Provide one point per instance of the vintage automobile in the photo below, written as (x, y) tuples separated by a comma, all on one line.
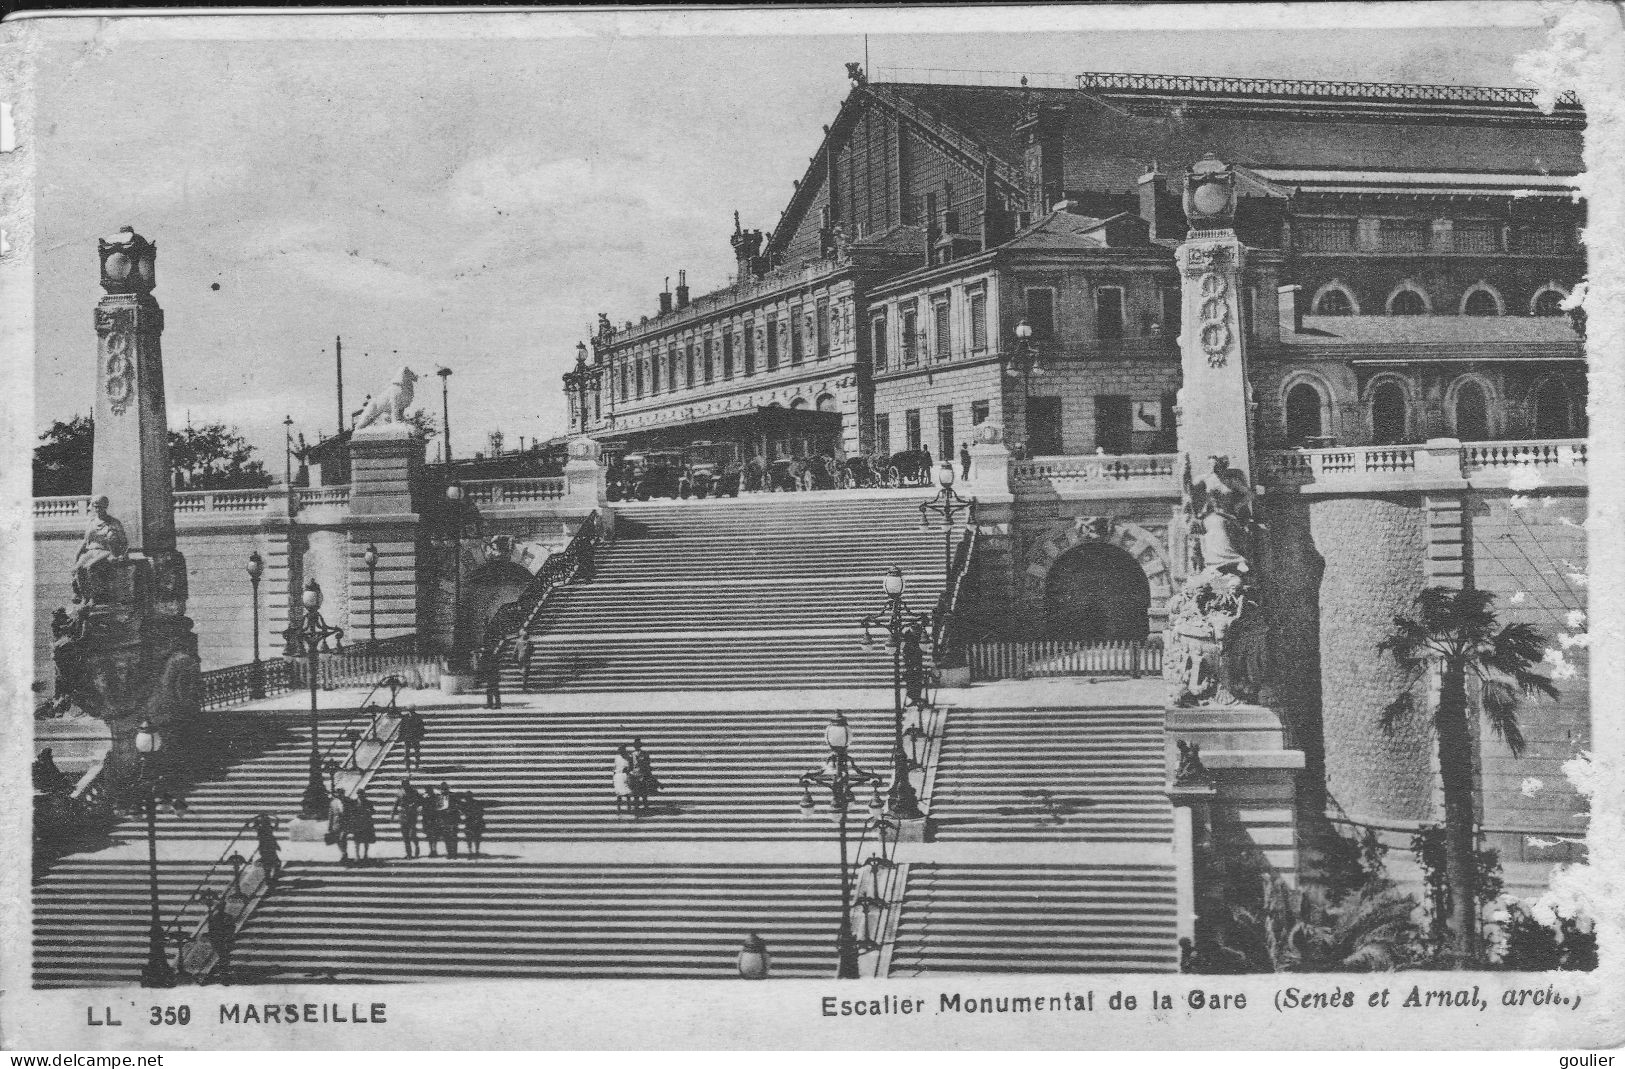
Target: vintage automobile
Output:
[(654, 473), (713, 469)]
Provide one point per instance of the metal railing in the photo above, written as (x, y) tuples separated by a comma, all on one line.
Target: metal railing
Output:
[(1037, 659), (222, 899), (513, 493), (1101, 468), (364, 661), (1301, 87), (945, 625), (568, 564), (229, 686), (365, 749)]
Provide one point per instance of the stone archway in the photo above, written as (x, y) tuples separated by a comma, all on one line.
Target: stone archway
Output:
[(485, 590), (1146, 548), (1096, 592)]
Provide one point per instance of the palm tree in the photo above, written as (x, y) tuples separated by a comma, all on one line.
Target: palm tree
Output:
[(1456, 633)]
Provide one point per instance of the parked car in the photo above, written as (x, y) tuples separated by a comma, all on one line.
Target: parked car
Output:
[(713, 469), (654, 474)]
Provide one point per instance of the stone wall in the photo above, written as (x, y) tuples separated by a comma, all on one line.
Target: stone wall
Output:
[(1373, 548)]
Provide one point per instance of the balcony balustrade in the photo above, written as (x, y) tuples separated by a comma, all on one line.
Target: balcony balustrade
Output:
[(515, 493)]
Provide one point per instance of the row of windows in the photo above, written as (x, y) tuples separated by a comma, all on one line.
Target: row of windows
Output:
[(1470, 408), (1346, 234), (1337, 298), (755, 346), (947, 444)]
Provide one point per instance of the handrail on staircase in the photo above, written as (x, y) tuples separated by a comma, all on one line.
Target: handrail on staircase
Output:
[(197, 944), (945, 638), (574, 561), (378, 727)]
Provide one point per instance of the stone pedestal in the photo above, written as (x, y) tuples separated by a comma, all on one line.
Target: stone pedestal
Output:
[(385, 460), (989, 469)]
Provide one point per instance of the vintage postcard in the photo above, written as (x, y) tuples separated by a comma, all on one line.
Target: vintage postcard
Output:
[(1053, 527)]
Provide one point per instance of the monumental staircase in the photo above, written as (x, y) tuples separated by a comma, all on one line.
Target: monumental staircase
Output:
[(759, 593), (1053, 833)]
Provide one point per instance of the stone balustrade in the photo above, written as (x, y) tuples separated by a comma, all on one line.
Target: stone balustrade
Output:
[(1553, 461), (1155, 472), (515, 493), (337, 496)]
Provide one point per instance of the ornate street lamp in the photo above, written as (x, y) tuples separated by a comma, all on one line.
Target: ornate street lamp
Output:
[(371, 557), (287, 455), (897, 620), (1024, 365), (157, 972), (454, 495), (445, 411), (754, 960), (311, 638), (948, 505), (839, 775), (256, 670)]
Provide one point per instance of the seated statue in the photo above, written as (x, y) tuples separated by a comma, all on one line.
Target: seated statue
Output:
[(105, 540)]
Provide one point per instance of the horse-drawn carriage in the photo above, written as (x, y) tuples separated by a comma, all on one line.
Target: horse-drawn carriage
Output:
[(912, 467)]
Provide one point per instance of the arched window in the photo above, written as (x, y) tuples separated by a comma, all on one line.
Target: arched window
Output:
[(1303, 414), (826, 402), (1481, 301), (1407, 302), (799, 402), (1554, 410), (1390, 414), (1548, 302), (1333, 301), (1471, 412)]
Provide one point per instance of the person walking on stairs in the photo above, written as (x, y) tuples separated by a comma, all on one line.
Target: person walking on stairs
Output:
[(523, 651), (964, 460), (407, 809), (644, 782), (623, 781), (446, 805), (914, 666), (411, 735), (338, 831), (491, 666), (429, 811), (473, 812), (270, 854), (363, 825)]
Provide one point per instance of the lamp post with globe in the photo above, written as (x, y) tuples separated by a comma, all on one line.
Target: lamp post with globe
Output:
[(1024, 365), (256, 670), (157, 972), (948, 505), (896, 620), (310, 638), (840, 775), (370, 556)]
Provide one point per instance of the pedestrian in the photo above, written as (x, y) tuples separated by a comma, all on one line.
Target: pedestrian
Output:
[(217, 932), (643, 777), (446, 803), (523, 650), (964, 460), (491, 663), (429, 814), (363, 825), (408, 808), (411, 735), (473, 810), (338, 830), (623, 781), (270, 854), (914, 665)]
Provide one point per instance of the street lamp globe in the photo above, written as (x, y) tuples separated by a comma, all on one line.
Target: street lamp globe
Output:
[(945, 474), (256, 566), (581, 352), (454, 493), (312, 596), (370, 555), (892, 583), (837, 734), (1024, 330), (147, 738), (754, 959)]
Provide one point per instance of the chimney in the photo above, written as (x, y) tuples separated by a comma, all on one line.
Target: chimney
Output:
[(1287, 310), (682, 289), (665, 297), (1153, 189), (930, 222)]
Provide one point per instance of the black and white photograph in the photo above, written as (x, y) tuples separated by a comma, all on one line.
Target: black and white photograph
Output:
[(1047, 528)]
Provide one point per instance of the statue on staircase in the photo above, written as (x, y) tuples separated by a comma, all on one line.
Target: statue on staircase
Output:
[(1213, 649), (105, 540)]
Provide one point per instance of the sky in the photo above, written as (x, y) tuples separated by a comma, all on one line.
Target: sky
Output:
[(471, 192)]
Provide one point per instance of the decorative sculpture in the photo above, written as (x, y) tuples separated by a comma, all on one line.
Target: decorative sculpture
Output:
[(391, 404), (1215, 640), (105, 540)]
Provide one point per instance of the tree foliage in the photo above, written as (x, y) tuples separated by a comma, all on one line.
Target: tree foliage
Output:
[(209, 457)]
